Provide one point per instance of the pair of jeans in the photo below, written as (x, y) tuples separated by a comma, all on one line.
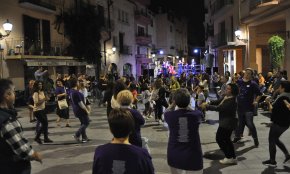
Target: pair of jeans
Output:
[(223, 138), (84, 119), (274, 134), (42, 118), (246, 119)]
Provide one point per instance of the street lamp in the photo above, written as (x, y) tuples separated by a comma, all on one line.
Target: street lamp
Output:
[(238, 34), (114, 49), (7, 26)]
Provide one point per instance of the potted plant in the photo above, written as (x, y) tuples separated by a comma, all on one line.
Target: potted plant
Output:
[(277, 52)]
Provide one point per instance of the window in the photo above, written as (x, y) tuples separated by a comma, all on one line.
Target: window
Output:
[(37, 36), (140, 30), (123, 16)]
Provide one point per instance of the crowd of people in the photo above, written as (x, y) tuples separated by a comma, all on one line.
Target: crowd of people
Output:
[(185, 99)]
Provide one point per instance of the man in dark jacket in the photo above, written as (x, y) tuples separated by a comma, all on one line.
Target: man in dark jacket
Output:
[(15, 151)]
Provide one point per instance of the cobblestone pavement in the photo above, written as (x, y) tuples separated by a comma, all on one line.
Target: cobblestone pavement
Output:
[(66, 156)]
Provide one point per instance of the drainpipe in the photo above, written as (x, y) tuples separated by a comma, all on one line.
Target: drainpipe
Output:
[(109, 4)]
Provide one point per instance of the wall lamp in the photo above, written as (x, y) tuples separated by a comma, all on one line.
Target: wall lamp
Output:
[(7, 26), (114, 49), (238, 34)]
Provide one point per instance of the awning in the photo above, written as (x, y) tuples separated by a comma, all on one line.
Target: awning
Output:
[(54, 63)]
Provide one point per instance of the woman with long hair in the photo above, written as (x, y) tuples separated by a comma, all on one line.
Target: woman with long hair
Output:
[(39, 100)]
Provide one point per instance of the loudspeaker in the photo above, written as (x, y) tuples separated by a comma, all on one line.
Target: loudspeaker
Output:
[(208, 70), (150, 73), (215, 69)]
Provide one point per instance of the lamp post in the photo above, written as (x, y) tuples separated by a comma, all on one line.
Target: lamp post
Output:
[(238, 34), (7, 26)]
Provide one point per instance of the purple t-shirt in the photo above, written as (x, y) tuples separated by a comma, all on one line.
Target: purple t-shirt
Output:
[(60, 90), (135, 137), (248, 91), (122, 159), (76, 97), (184, 148)]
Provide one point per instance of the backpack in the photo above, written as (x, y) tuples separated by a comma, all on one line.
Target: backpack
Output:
[(154, 95)]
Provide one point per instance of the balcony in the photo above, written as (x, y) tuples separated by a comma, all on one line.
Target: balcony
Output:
[(126, 50), (143, 39), (221, 4), (256, 6), (142, 17), (23, 49), (220, 39), (47, 6)]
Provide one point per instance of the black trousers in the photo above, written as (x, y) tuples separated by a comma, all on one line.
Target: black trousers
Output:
[(223, 138), (42, 118), (274, 134)]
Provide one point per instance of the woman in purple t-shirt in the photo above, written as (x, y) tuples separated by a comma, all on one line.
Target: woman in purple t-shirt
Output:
[(184, 149)]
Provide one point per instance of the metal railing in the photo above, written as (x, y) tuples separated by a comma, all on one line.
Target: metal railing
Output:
[(49, 4), (30, 47)]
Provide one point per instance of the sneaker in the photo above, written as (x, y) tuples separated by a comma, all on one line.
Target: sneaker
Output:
[(256, 141), (76, 138), (47, 140), (228, 161), (160, 122), (270, 163), (38, 140), (85, 140), (287, 159), (236, 139)]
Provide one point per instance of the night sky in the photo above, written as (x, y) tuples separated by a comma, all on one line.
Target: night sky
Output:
[(193, 10)]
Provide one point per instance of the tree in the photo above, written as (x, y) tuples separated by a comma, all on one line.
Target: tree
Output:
[(276, 45), (82, 25)]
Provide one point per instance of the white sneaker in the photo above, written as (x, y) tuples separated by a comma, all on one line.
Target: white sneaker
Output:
[(228, 161), (160, 122)]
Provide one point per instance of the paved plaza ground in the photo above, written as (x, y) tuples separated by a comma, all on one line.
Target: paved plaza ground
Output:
[(66, 156)]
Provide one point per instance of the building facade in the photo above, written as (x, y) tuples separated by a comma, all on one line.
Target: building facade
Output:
[(257, 21), (130, 38), (34, 41)]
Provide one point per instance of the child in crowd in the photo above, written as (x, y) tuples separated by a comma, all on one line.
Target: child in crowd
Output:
[(200, 98), (146, 94)]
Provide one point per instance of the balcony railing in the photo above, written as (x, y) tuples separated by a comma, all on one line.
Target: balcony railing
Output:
[(258, 3), (142, 16), (220, 39), (126, 50), (143, 39), (21, 47), (219, 4), (46, 4)]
